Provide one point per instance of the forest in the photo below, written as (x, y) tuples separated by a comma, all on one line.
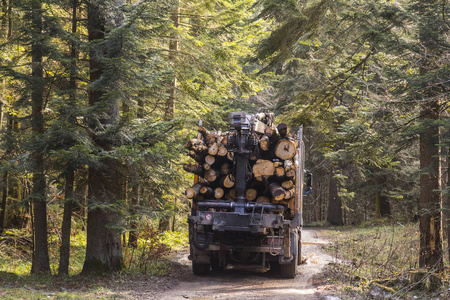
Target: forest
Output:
[(99, 97)]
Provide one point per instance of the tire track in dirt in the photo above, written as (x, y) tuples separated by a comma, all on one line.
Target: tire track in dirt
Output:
[(240, 283)]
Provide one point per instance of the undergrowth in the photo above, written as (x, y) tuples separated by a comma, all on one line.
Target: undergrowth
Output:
[(381, 262), (147, 260)]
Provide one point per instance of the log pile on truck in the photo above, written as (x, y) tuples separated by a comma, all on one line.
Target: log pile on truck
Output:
[(247, 195), (273, 165)]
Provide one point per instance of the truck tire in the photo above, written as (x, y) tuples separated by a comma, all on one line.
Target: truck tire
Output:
[(289, 270), (200, 269)]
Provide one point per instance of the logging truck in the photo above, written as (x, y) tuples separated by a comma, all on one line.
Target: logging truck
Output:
[(247, 196)]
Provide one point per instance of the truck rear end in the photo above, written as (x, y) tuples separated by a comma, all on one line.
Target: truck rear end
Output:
[(250, 211)]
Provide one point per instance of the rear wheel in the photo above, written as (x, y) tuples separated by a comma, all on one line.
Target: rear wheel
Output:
[(200, 269), (289, 270)]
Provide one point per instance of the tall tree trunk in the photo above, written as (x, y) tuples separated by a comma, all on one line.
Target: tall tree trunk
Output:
[(4, 17), (334, 216), (10, 19), (103, 249), (447, 201), (382, 201), (4, 202), (430, 201), (173, 48), (164, 223), (135, 192), (5, 179), (1, 105), (64, 254), (64, 250), (133, 235), (41, 262)]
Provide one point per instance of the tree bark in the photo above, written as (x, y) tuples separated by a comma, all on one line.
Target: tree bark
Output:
[(64, 250), (207, 192), (133, 235), (5, 188), (195, 169), (447, 198), (382, 201), (4, 202), (10, 19), (173, 48), (277, 191), (41, 262), (334, 215), (4, 24), (430, 201), (103, 249)]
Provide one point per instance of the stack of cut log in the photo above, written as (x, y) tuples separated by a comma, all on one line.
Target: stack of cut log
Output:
[(273, 167)]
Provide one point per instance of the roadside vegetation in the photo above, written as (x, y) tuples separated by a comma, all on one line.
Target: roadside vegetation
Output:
[(147, 263), (378, 260)]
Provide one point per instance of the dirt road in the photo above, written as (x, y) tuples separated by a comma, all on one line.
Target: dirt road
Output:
[(256, 284)]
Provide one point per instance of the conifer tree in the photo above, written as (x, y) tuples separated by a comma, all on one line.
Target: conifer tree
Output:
[(69, 173), (104, 247), (41, 262), (431, 47)]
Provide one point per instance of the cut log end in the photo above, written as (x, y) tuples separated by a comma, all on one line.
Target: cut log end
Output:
[(263, 168), (251, 194), (222, 151), (212, 175), (264, 143), (285, 149), (218, 193), (263, 199), (227, 181), (193, 191), (213, 149)]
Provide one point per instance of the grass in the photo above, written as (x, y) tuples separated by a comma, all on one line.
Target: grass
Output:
[(149, 262), (378, 259)]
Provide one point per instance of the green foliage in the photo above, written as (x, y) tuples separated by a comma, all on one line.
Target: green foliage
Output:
[(355, 77), (148, 256), (175, 240), (377, 254), (372, 251), (16, 251)]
